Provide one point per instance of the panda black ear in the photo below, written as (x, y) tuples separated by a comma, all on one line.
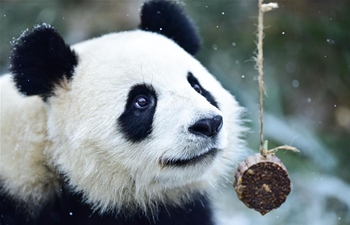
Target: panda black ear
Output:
[(167, 18), (40, 59)]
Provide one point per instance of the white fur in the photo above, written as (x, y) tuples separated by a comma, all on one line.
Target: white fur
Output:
[(23, 166), (77, 132)]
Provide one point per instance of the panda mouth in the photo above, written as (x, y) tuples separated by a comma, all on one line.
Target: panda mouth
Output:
[(206, 157)]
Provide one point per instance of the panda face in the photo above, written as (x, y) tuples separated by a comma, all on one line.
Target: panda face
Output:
[(142, 115)]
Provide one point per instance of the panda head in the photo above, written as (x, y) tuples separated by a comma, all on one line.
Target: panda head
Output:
[(133, 119)]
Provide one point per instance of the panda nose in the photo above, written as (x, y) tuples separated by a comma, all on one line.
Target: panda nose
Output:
[(207, 127)]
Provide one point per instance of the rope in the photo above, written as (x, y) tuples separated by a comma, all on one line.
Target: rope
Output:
[(261, 73), (259, 60)]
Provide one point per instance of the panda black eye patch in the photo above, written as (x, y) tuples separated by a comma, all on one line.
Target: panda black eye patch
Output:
[(137, 119), (198, 88)]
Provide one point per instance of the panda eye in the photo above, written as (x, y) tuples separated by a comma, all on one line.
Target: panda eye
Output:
[(197, 88), (141, 102)]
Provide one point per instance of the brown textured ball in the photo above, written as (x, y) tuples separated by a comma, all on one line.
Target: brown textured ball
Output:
[(262, 183)]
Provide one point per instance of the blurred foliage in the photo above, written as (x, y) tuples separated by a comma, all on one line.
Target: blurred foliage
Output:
[(306, 66)]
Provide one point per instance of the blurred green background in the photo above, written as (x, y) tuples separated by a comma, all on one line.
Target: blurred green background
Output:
[(306, 73)]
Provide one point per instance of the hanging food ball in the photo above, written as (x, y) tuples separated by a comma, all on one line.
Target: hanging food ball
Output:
[(262, 183)]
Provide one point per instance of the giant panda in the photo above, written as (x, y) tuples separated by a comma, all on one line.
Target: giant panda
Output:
[(126, 128)]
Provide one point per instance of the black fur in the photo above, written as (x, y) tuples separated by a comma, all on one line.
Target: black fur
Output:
[(68, 209), (167, 18), (206, 94), (136, 123), (40, 59)]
